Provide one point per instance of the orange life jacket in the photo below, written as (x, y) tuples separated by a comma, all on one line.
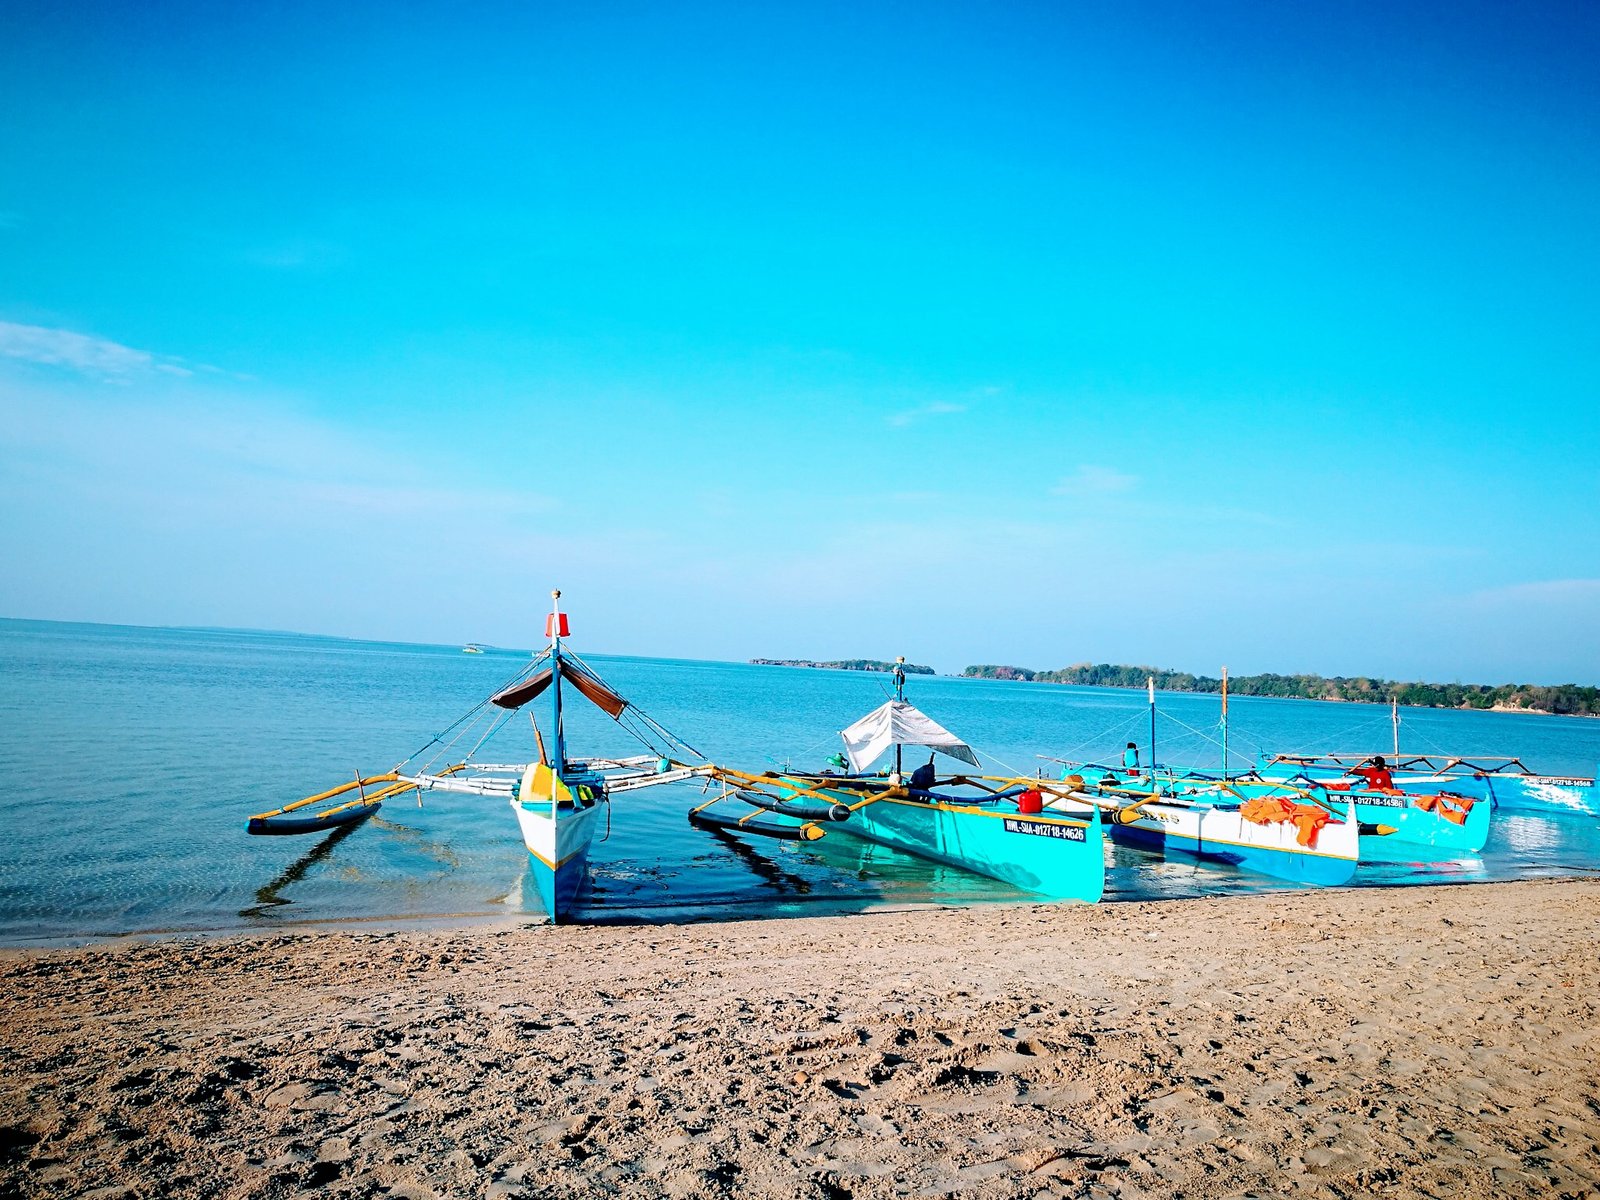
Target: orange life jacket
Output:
[(1451, 807), (1308, 819)]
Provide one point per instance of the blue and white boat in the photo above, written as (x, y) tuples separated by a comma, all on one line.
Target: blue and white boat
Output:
[(557, 800), (1033, 834), (1440, 819), (1210, 821)]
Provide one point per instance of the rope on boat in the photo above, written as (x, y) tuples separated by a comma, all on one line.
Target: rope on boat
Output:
[(472, 713), (1103, 736)]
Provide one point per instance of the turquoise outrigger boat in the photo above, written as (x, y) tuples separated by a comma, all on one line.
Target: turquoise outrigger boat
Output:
[(1031, 833), (1505, 782), (1439, 819)]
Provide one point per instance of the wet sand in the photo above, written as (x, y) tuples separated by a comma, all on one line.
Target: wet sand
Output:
[(1417, 1042)]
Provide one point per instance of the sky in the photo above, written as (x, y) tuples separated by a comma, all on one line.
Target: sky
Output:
[(1180, 334)]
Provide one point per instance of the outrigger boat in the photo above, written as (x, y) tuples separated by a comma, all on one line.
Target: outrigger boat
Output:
[(1439, 819), (1506, 782), (1034, 834), (1442, 820), (557, 800), (1292, 835), (1288, 835)]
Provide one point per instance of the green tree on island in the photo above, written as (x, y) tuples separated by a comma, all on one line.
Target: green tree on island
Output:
[(1566, 699)]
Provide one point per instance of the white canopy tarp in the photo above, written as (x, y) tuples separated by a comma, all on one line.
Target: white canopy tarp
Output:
[(899, 722)]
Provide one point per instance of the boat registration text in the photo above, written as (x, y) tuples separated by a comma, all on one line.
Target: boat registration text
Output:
[(1071, 833)]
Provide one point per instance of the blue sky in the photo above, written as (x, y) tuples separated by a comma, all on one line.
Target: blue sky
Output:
[(1180, 334)]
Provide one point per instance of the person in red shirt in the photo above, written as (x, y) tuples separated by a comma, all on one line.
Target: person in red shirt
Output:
[(1377, 775)]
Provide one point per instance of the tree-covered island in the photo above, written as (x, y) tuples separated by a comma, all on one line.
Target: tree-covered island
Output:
[(1566, 699), (843, 664)]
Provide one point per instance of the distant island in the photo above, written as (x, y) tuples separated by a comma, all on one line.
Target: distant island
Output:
[(844, 664), (1566, 699)]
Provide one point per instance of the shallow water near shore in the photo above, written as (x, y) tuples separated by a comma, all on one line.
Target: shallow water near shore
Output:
[(134, 756)]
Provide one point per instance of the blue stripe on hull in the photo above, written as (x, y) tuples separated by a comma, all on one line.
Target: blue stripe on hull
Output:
[(560, 887), (1321, 870)]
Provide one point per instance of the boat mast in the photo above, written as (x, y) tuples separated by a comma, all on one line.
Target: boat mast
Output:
[(1150, 682), (1224, 724), (1394, 719), (899, 695), (556, 626)]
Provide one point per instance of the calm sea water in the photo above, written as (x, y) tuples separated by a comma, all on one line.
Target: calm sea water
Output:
[(133, 756)]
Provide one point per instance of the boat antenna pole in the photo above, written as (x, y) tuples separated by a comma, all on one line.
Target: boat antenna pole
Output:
[(1224, 724), (899, 695), (1150, 682), (556, 626)]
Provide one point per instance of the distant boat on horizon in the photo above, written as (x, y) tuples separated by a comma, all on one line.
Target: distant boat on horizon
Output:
[(472, 648)]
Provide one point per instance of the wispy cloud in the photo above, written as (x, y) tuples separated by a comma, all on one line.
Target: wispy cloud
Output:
[(939, 408), (296, 254), (82, 352), (205, 456), (1547, 593), (1094, 481), (64, 348)]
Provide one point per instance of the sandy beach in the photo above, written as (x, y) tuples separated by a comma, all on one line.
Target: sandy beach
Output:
[(1418, 1042)]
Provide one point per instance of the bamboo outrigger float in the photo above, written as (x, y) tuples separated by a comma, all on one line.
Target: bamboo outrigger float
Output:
[(1038, 835), (557, 800), (348, 812)]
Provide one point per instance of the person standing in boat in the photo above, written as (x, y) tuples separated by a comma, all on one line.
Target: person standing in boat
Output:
[(1130, 758), (1377, 775)]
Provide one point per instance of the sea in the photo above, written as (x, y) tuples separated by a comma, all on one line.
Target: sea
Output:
[(134, 756)]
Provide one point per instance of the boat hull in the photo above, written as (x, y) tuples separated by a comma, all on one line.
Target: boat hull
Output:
[(558, 850), (1407, 818), (1053, 853), (1408, 814), (1420, 827), (1220, 834)]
